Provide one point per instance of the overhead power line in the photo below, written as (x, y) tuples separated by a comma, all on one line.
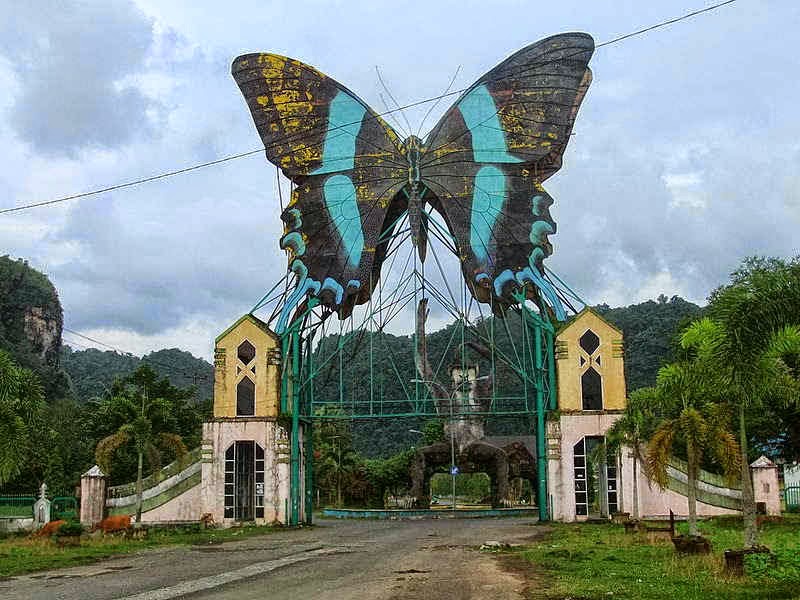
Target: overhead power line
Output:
[(127, 184), (146, 359), (231, 157)]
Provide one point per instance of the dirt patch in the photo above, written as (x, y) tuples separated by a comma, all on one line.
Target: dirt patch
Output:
[(535, 583)]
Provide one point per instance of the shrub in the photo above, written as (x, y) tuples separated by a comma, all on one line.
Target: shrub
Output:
[(69, 529)]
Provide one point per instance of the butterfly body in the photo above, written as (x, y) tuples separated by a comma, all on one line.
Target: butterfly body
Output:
[(481, 168)]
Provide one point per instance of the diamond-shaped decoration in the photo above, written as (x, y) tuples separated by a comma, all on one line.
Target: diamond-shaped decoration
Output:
[(246, 352), (589, 342)]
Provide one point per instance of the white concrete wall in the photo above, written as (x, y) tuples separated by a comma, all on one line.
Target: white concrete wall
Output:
[(15, 525), (574, 427), (218, 436), (184, 507), (653, 501)]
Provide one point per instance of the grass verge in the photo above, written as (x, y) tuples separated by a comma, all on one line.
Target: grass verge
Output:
[(582, 561), (20, 555)]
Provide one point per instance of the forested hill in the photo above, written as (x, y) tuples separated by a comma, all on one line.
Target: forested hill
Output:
[(31, 321), (649, 331), (92, 371)]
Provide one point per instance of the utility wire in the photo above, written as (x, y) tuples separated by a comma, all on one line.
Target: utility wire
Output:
[(127, 184), (145, 359), (387, 112), (665, 23)]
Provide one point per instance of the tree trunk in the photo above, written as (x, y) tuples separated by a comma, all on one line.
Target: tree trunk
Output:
[(139, 490), (339, 488), (635, 486), (691, 488), (748, 497)]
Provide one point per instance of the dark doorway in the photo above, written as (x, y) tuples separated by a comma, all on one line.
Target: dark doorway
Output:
[(595, 472), (244, 481)]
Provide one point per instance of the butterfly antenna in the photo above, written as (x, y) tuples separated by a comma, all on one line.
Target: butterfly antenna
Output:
[(390, 115), (397, 105), (439, 99)]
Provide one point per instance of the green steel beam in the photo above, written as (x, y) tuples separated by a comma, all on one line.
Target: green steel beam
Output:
[(294, 482), (541, 442)]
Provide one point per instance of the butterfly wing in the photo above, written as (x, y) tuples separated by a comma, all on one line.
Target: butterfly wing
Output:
[(487, 157), (346, 166)]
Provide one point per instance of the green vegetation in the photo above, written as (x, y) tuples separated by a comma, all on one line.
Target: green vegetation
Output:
[(24, 555), (694, 423), (753, 346), (153, 414), (601, 561), (70, 528), (64, 410), (92, 372), (21, 404), (743, 357), (30, 323), (145, 416), (633, 429), (470, 487), (649, 329)]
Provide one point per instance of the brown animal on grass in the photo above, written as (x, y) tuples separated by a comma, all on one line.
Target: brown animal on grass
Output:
[(115, 523), (50, 528)]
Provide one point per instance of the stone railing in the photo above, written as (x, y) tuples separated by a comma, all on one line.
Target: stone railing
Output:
[(712, 489), (172, 469)]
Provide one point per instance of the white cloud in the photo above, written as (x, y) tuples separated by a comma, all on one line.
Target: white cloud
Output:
[(679, 168), (687, 190)]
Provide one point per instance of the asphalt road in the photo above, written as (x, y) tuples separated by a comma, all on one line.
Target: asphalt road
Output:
[(350, 559)]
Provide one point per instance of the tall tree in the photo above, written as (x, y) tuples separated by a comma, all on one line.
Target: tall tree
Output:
[(765, 379), (335, 459), (21, 404), (144, 418), (632, 430), (692, 422), (758, 313)]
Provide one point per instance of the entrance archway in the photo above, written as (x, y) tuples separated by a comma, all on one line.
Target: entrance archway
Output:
[(244, 481), (595, 476)]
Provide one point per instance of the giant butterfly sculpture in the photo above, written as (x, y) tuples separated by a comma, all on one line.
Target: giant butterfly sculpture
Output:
[(481, 167)]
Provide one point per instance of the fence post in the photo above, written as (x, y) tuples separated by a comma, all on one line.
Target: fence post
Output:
[(41, 508), (93, 496)]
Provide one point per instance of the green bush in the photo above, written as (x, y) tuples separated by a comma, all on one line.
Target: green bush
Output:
[(70, 528), (782, 565)]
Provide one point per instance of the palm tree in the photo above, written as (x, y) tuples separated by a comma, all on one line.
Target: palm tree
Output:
[(140, 431), (693, 422), (21, 403), (763, 377), (632, 430)]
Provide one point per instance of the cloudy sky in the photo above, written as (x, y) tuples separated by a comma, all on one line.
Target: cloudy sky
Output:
[(684, 158)]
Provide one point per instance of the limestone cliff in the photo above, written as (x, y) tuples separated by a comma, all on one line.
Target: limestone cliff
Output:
[(31, 320)]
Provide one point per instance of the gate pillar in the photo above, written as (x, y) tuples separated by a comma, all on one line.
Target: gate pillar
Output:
[(93, 496)]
